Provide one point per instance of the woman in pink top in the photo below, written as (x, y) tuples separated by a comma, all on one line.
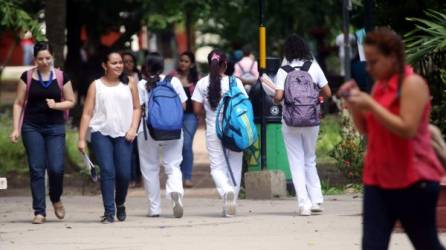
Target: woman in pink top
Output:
[(401, 173)]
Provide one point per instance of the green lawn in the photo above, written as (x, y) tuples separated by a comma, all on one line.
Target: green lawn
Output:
[(329, 137), (13, 157)]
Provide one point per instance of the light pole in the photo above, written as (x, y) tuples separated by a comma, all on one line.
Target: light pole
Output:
[(262, 67), (346, 6)]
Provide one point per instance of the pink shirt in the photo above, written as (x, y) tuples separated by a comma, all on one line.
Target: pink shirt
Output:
[(246, 63)]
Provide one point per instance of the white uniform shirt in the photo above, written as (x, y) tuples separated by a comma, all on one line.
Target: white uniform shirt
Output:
[(315, 72), (144, 95), (201, 95)]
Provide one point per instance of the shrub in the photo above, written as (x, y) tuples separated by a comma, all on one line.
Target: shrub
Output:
[(349, 153)]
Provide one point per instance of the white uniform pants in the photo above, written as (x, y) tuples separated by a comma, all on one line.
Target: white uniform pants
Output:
[(219, 168), (151, 155), (300, 143)]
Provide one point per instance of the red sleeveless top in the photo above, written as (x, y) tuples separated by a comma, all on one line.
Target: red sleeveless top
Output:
[(393, 162)]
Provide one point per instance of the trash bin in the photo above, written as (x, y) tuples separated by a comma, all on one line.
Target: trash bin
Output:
[(276, 156)]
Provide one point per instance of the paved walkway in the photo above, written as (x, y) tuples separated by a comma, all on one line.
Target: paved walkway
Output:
[(259, 225)]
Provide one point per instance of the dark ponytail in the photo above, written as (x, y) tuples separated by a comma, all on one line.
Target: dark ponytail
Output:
[(217, 62), (153, 67)]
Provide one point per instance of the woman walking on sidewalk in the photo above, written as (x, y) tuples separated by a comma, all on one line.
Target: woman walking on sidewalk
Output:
[(129, 60), (112, 112), (44, 96), (153, 153), (301, 137), (206, 97), (401, 172), (188, 75)]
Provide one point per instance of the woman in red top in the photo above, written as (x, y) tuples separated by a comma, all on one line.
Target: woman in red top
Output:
[(401, 172)]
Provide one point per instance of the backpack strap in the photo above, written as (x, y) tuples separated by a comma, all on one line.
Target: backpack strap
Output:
[(252, 66), (288, 68), (168, 78), (225, 153), (241, 68), (306, 66), (60, 82), (29, 78), (232, 82), (144, 123)]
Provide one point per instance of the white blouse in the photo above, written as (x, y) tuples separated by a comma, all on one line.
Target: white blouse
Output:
[(113, 109)]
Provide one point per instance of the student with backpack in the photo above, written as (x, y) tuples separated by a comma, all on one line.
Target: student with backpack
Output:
[(111, 112), (188, 75), (224, 154), (299, 85), (44, 96), (130, 68), (160, 136), (246, 69)]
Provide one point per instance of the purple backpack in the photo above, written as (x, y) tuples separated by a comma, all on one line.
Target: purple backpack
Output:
[(301, 104)]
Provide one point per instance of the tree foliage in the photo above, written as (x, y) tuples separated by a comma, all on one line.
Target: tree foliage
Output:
[(426, 50), (14, 18)]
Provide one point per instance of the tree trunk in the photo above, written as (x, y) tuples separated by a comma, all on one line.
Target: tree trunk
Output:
[(55, 18)]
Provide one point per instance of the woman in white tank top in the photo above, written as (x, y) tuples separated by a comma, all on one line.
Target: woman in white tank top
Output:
[(112, 112)]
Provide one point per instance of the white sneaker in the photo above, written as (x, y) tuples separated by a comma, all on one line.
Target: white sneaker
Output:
[(229, 208), (316, 208), (177, 205), (304, 211)]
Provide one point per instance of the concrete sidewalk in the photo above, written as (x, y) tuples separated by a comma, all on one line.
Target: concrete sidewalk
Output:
[(259, 225)]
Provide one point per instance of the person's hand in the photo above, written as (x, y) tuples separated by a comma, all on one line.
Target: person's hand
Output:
[(359, 100), (130, 135), (346, 88), (14, 136), (82, 145), (51, 103)]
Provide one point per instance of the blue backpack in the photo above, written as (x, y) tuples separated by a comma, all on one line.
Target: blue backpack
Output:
[(165, 112), (235, 127)]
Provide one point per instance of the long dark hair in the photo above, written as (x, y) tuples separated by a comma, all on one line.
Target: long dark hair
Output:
[(296, 48), (153, 67), (217, 62), (389, 43), (106, 56), (39, 46), (192, 76)]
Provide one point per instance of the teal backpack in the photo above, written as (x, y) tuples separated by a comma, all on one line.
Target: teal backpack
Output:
[(235, 121), (235, 127)]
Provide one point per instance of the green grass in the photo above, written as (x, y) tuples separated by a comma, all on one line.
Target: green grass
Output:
[(329, 137), (13, 157), (71, 139)]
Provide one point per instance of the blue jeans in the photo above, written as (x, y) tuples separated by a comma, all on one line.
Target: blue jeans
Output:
[(414, 207), (190, 124), (44, 145), (113, 155)]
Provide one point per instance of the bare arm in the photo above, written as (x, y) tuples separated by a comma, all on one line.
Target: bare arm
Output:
[(17, 110), (279, 96), (325, 91), (69, 101), (136, 116), (86, 116), (199, 111), (414, 96), (359, 120)]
